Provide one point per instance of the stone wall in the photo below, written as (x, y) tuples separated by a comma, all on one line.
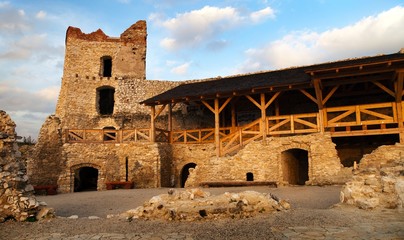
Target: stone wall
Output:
[(16, 194), (264, 160), (145, 161), (379, 180)]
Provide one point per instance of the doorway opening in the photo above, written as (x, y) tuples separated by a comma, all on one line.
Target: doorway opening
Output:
[(250, 177), (85, 179), (295, 166), (185, 173)]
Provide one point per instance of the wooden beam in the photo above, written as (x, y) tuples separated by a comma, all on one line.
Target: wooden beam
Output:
[(208, 106), (272, 99), (253, 101), (384, 88), (225, 104), (160, 110), (329, 95), (170, 121), (399, 86), (152, 124), (321, 113), (217, 127), (308, 95), (263, 116)]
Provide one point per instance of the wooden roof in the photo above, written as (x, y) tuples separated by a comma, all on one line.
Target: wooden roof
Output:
[(270, 80)]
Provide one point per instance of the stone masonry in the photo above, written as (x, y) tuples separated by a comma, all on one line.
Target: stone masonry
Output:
[(104, 79), (379, 180), (16, 194)]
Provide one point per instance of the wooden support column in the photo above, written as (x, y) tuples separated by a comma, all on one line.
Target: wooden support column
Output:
[(217, 127), (152, 124), (216, 110), (233, 117), (170, 122), (319, 97), (263, 117), (399, 96)]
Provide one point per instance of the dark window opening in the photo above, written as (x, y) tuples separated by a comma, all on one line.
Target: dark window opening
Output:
[(106, 66), (250, 176), (295, 166), (185, 173), (85, 179), (106, 101)]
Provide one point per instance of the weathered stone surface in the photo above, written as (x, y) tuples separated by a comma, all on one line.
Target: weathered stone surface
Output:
[(195, 204), (379, 180), (16, 194)]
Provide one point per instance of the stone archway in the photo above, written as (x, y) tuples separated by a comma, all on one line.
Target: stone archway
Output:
[(185, 172), (295, 166), (85, 178)]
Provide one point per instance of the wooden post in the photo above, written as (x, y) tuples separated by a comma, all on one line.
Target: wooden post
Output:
[(170, 122), (399, 96), (233, 117), (217, 126), (152, 124), (319, 96), (263, 117)]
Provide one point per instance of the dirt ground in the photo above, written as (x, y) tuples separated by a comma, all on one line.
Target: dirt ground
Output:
[(311, 217)]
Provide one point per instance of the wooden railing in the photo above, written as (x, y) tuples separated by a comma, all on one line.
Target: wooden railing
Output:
[(293, 124), (107, 136), (206, 135), (380, 118), (240, 137)]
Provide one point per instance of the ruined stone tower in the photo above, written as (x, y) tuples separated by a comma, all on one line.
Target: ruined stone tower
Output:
[(100, 77), (103, 82)]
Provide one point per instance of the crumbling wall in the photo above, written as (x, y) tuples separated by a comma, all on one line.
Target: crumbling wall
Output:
[(264, 160), (378, 181), (16, 194)]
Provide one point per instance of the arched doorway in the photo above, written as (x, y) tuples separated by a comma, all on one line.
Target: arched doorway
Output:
[(185, 172), (295, 166), (85, 179)]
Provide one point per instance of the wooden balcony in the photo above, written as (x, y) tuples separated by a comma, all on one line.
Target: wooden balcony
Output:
[(369, 119)]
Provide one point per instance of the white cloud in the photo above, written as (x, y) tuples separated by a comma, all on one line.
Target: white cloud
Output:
[(377, 34), (181, 69), (41, 15), (262, 14), (193, 28)]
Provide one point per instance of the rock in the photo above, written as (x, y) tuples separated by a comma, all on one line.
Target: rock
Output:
[(73, 217), (195, 204), (378, 181), (45, 212)]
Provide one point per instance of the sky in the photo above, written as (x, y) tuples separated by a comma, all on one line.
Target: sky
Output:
[(187, 39)]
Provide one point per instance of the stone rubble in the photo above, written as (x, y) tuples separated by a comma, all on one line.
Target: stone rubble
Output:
[(195, 204), (379, 180), (16, 194)]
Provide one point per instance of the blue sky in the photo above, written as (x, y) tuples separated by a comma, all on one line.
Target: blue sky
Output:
[(188, 39)]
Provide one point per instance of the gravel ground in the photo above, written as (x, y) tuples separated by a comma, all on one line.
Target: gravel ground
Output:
[(311, 209)]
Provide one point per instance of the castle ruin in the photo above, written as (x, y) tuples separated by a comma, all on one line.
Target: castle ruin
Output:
[(303, 125)]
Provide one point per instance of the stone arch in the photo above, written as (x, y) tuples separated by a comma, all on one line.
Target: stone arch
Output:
[(105, 100), (295, 166), (85, 177), (185, 172)]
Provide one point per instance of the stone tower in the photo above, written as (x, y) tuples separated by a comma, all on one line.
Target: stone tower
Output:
[(99, 77)]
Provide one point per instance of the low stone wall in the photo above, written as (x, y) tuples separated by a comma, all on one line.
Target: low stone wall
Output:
[(378, 181)]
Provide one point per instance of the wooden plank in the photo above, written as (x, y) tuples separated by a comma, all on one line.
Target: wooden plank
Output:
[(344, 115), (384, 88), (225, 104), (208, 106), (273, 98)]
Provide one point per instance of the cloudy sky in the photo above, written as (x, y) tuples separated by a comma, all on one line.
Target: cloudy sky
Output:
[(187, 39)]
